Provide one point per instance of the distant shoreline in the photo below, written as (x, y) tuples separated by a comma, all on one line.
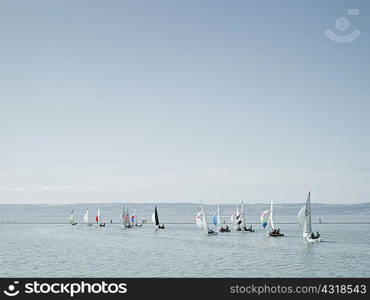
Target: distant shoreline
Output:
[(183, 203), (173, 223)]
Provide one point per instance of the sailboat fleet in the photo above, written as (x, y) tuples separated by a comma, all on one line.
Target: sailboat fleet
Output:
[(215, 227), (129, 220)]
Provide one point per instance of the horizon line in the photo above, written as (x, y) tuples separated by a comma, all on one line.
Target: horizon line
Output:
[(164, 202)]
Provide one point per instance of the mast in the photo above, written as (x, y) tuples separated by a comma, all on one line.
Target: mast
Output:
[(204, 219), (308, 214), (271, 223), (243, 215)]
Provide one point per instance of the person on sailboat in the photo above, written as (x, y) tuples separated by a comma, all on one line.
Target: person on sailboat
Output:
[(312, 235), (210, 231)]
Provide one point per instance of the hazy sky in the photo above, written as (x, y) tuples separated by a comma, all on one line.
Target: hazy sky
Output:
[(149, 101)]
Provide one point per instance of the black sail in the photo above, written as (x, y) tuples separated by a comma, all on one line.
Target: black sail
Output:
[(156, 216)]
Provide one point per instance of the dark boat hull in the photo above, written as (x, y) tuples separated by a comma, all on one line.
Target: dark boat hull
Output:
[(276, 234)]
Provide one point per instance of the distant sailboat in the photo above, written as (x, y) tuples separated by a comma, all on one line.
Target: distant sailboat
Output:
[(98, 220), (134, 221), (126, 217), (273, 231), (155, 219), (264, 218), (72, 218), (236, 219), (304, 219), (201, 221), (243, 225), (216, 220), (86, 218)]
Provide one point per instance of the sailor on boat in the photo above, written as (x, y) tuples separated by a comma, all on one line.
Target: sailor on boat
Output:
[(250, 228), (314, 237), (225, 229)]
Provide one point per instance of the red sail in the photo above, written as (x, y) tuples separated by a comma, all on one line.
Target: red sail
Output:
[(97, 219)]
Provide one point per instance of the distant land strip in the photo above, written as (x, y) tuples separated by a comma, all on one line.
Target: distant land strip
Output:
[(174, 223)]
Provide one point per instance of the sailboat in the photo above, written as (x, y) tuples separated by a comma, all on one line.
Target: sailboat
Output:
[(126, 217), (201, 221), (273, 231), (134, 221), (243, 225), (216, 220), (235, 218), (98, 220), (155, 219), (86, 218), (72, 218), (304, 219)]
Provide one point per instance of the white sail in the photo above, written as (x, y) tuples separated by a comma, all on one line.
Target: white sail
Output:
[(308, 214), (237, 218), (199, 220), (72, 218), (304, 217), (242, 216), (233, 216), (301, 216), (271, 222), (153, 218), (218, 217), (86, 216), (205, 224)]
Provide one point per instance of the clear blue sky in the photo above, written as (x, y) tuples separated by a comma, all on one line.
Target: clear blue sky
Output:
[(149, 101)]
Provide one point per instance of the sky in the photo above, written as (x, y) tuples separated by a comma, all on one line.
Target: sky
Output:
[(172, 101)]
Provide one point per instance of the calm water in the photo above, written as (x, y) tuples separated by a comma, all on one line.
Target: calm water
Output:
[(180, 250)]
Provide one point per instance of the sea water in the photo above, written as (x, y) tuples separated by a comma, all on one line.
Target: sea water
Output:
[(181, 250)]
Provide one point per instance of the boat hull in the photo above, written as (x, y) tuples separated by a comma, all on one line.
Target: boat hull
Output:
[(311, 240), (276, 235)]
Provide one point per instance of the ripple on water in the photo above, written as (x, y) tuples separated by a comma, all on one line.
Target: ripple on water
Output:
[(180, 251)]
